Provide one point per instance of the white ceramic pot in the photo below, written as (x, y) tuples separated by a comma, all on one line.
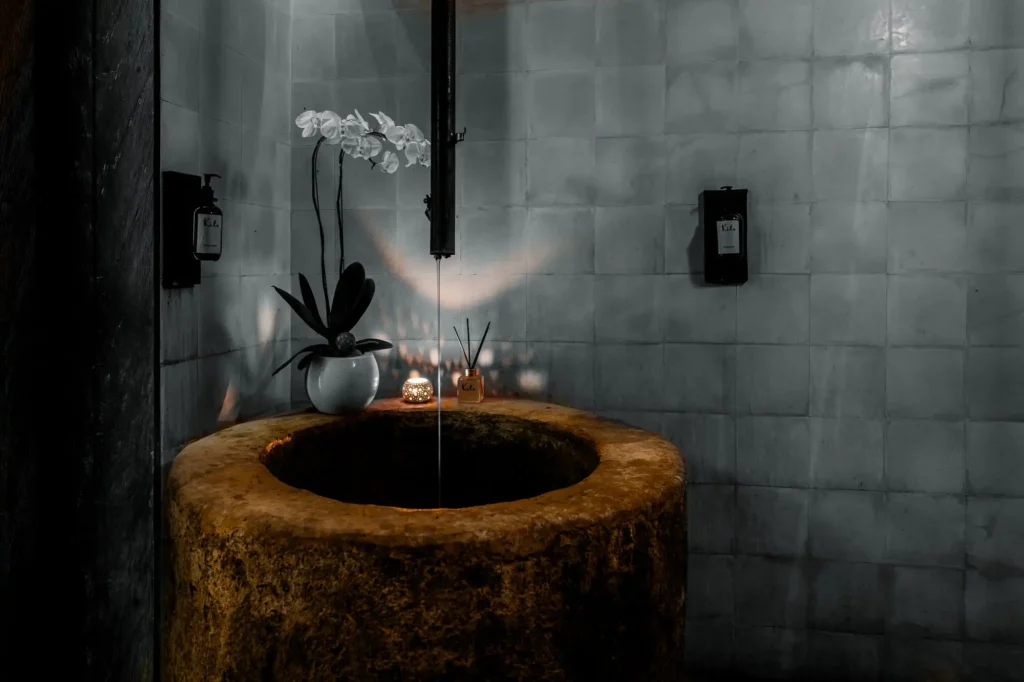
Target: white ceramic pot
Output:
[(337, 385)]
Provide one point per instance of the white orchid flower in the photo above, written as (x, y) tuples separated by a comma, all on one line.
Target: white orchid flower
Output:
[(425, 154), (350, 145), (390, 162), (332, 130), (309, 121), (371, 146)]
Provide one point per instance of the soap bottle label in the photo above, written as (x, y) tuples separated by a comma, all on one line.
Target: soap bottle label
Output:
[(208, 232), (728, 236)]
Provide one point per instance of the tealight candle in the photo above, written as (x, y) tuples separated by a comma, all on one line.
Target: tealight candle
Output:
[(417, 390)]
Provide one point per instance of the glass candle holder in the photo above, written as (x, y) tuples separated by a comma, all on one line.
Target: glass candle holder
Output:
[(417, 390)]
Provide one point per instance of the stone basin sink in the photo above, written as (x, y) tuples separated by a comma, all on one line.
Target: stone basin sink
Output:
[(312, 547)]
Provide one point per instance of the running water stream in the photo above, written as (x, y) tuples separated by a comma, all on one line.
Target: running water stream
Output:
[(438, 259)]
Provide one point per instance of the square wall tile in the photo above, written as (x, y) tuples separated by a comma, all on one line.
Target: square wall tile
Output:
[(924, 456), (627, 308), (770, 29), (365, 45), (994, 529), (848, 309), (179, 324), (774, 95), (550, 319), (994, 240), (778, 653), (313, 57), (994, 312), (995, 384), (927, 237), (701, 31), (708, 445), (927, 310), (779, 238), (925, 383), (699, 378), (219, 316), (844, 28), (560, 241), (629, 240), (847, 382), (631, 32), (997, 23), (412, 41), (929, 24), (849, 237), (908, 659), (925, 529), (847, 525), (179, 139), (776, 166), (927, 602), (998, 662), (493, 38), (629, 171), (849, 597), (851, 93), (684, 242), (771, 592), (630, 100), (696, 313), (489, 236), (851, 165), (494, 173), (709, 645), (569, 368), (561, 104), (773, 451), (179, 62), (711, 513), (847, 454), (179, 387), (928, 164), (709, 594), (773, 309), (772, 380), (219, 379), (699, 162), (771, 521), (993, 603), (844, 656), (629, 377), (929, 89), (701, 98), (560, 171), (996, 163), (494, 106), (994, 464), (560, 35)]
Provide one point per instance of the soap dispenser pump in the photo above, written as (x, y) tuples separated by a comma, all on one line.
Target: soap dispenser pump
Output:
[(207, 224)]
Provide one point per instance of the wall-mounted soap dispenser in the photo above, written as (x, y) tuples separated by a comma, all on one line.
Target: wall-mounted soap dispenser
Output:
[(723, 221), (207, 223)]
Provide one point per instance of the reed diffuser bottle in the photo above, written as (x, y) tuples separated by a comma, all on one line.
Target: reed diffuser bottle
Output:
[(471, 384)]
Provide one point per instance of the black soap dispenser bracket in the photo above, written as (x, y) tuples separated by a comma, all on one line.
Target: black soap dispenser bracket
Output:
[(183, 199)]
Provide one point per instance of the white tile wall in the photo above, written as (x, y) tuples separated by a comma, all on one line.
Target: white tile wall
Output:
[(844, 414)]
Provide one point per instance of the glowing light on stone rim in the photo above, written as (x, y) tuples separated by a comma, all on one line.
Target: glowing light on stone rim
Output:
[(417, 390)]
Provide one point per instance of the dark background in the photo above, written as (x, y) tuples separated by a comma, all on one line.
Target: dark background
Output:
[(78, 359)]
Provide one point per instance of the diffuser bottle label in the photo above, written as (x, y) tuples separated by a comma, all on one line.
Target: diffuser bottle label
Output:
[(208, 229), (728, 236)]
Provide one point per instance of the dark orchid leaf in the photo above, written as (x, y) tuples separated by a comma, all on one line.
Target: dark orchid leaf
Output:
[(303, 312), (370, 345), (350, 284), (316, 349), (309, 299), (360, 306)]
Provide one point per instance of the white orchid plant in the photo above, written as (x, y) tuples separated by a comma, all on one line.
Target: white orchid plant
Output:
[(354, 291), (359, 141)]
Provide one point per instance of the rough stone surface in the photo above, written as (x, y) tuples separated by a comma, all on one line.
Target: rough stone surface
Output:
[(272, 582)]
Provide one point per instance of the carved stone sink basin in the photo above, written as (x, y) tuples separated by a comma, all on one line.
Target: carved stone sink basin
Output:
[(309, 547)]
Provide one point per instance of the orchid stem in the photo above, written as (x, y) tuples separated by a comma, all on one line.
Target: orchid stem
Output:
[(320, 225)]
